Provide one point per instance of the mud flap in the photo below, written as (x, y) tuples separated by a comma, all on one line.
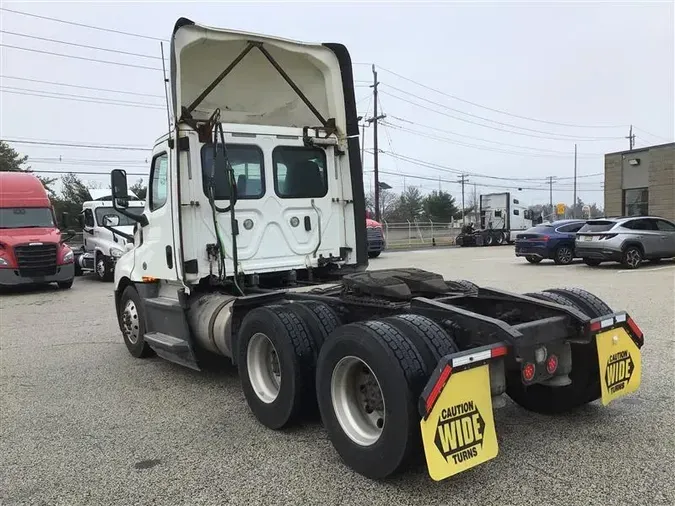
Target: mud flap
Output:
[(620, 364), (458, 430)]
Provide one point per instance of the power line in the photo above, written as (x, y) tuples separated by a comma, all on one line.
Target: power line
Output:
[(559, 137), (498, 110), (451, 170), (80, 87), (62, 55), (482, 185), (76, 98), (510, 125), (98, 48), (488, 140), (90, 173), (652, 135), (475, 146), (83, 25), (76, 145)]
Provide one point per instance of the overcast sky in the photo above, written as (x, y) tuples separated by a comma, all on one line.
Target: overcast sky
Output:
[(589, 65)]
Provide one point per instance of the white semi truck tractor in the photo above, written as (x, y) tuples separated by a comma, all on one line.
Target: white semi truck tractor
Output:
[(252, 248)]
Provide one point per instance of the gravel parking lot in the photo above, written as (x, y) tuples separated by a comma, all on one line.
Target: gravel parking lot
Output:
[(85, 423)]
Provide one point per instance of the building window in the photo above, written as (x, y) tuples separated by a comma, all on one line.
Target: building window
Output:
[(635, 202)]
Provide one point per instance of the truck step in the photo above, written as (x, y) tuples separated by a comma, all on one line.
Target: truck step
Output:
[(164, 303), (172, 349)]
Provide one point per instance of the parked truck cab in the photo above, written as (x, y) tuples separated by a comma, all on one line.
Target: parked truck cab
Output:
[(32, 249), (376, 239), (105, 234), (252, 247)]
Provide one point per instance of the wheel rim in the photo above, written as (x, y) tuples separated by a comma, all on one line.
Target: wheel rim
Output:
[(264, 369), (633, 257), (100, 268), (357, 401), (565, 255), (130, 322)]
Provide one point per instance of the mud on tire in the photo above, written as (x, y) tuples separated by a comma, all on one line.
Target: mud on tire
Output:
[(398, 369)]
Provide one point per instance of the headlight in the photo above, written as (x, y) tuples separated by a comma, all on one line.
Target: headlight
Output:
[(3, 261), (68, 257), (116, 252)]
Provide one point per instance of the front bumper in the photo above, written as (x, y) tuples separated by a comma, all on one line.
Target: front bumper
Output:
[(598, 253), (12, 277)]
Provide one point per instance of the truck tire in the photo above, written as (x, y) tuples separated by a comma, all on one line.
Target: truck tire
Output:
[(431, 341), (276, 358), (586, 302), (585, 386), (102, 268), (488, 239), (374, 254), (132, 323), (462, 285), (363, 368), (319, 318)]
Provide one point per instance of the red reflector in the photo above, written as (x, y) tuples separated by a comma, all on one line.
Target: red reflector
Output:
[(436, 391), (552, 364), (499, 352), (633, 326), (528, 372), (595, 326)]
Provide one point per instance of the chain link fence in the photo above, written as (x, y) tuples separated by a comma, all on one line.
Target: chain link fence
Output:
[(418, 233)]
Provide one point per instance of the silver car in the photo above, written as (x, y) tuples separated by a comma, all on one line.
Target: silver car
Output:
[(629, 240)]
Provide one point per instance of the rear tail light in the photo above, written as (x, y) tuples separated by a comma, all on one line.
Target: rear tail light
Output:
[(528, 372), (552, 364), (636, 330)]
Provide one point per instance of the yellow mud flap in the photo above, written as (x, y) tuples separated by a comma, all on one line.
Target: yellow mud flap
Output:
[(459, 431), (620, 363)]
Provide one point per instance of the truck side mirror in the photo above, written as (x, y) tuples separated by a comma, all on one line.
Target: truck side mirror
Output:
[(120, 193), (111, 220)]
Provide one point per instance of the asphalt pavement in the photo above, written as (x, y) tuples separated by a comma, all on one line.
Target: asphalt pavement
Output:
[(83, 422)]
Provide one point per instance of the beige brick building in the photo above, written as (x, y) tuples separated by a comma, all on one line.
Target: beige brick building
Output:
[(641, 182)]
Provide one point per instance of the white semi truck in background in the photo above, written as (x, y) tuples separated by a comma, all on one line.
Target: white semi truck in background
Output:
[(502, 217), (252, 247), (102, 245)]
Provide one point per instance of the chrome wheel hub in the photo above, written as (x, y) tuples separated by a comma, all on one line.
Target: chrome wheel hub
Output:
[(100, 268), (264, 369), (130, 322), (358, 402), (633, 258)]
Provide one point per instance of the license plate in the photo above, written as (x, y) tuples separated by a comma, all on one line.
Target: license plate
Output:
[(588, 238), (620, 364), (459, 433)]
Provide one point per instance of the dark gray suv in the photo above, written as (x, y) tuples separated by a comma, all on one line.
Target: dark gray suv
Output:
[(629, 240)]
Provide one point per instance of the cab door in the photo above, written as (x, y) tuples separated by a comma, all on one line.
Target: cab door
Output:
[(155, 256)]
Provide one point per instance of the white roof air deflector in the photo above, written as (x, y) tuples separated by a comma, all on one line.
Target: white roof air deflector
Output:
[(254, 79)]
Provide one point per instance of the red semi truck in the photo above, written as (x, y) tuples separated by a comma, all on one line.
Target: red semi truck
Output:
[(375, 236), (32, 249)]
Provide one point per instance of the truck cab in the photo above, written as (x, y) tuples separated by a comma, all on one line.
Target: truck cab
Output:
[(32, 249), (106, 233), (376, 238)]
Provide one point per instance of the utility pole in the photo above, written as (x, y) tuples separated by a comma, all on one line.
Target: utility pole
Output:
[(574, 206), (376, 152), (631, 138), (463, 179), (550, 193), (475, 204)]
